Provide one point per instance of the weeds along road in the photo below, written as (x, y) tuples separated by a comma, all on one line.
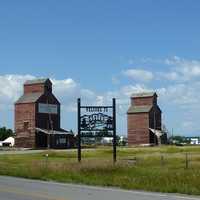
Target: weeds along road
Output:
[(24, 189)]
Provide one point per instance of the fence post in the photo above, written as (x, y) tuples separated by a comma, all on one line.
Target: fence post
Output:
[(162, 160), (46, 161), (186, 161)]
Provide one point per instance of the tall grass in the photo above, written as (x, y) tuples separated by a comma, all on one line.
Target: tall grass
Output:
[(152, 169)]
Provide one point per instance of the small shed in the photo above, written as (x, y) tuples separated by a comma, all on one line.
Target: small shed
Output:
[(9, 142)]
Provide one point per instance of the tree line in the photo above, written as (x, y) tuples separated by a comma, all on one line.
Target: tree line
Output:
[(5, 133)]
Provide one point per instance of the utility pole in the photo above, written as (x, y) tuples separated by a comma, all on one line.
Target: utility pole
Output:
[(172, 134), (79, 129), (50, 127), (114, 132), (154, 121)]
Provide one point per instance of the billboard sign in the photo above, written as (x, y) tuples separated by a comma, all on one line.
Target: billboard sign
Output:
[(96, 121), (48, 108)]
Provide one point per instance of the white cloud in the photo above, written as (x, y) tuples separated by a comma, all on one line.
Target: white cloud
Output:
[(63, 85), (115, 80), (188, 124), (172, 76), (139, 74), (180, 94), (128, 90), (11, 87), (182, 69)]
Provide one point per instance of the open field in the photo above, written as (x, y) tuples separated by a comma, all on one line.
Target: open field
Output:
[(163, 169)]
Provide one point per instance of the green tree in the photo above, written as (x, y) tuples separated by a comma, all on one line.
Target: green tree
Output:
[(5, 133), (178, 139)]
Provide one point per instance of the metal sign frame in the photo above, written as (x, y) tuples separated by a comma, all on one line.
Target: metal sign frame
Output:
[(97, 121)]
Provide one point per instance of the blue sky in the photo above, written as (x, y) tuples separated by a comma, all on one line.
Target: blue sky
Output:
[(100, 49)]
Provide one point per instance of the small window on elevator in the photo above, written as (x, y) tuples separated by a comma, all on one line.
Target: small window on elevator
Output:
[(26, 126)]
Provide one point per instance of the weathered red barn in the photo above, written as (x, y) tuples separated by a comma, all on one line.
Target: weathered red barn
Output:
[(37, 118), (144, 120)]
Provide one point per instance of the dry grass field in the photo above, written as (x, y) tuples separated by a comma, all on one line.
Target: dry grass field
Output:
[(161, 169)]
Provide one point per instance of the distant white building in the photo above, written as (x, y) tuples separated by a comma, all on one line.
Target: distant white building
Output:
[(194, 141), (123, 140), (107, 140), (9, 142)]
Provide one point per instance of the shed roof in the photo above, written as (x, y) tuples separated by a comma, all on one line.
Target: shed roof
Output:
[(29, 98), (144, 94), (37, 81), (139, 109)]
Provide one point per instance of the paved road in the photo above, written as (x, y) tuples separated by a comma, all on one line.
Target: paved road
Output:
[(24, 189)]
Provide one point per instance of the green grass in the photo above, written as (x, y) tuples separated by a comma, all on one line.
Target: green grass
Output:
[(161, 169)]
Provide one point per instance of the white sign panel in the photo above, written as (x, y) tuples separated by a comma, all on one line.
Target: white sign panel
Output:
[(48, 108)]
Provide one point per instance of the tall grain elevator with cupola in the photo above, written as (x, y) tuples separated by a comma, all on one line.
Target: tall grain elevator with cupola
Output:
[(37, 118), (144, 119)]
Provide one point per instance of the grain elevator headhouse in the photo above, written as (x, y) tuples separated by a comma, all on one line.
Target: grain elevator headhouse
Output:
[(37, 117), (144, 120)]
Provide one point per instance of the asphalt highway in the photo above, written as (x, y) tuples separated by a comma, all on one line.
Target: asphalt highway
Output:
[(25, 189)]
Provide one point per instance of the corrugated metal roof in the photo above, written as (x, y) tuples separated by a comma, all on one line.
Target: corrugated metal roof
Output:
[(139, 109), (144, 94), (29, 98), (158, 133), (36, 81)]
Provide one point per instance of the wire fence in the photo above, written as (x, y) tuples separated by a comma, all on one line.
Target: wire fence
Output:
[(171, 160)]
